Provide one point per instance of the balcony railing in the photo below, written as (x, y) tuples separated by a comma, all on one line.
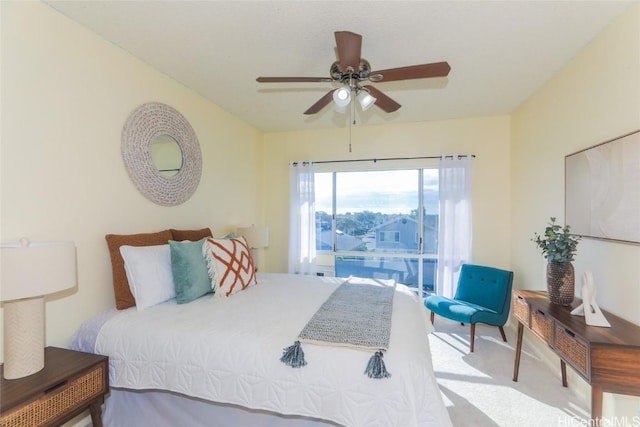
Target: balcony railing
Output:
[(415, 271)]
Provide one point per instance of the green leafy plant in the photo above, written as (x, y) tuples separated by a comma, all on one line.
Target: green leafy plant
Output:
[(557, 243)]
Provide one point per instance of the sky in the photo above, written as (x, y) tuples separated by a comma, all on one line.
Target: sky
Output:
[(389, 192)]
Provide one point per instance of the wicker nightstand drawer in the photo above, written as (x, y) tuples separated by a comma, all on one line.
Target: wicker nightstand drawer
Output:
[(58, 401), (542, 325), (520, 308), (70, 383), (573, 349)]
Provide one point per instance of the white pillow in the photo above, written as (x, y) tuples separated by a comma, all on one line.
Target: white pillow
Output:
[(149, 274)]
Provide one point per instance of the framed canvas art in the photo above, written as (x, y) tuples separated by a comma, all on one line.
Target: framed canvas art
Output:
[(602, 190)]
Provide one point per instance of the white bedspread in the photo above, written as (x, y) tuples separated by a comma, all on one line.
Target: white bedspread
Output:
[(228, 350)]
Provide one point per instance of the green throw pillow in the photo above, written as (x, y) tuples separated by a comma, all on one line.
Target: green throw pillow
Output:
[(189, 269)]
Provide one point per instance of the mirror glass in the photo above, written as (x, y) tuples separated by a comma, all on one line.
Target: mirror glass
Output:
[(166, 155)]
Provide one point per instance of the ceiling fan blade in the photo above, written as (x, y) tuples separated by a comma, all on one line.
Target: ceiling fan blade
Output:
[(293, 79), (436, 69), (383, 101), (349, 48), (321, 103)]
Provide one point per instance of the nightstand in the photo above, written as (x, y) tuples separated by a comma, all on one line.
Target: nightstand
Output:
[(70, 383)]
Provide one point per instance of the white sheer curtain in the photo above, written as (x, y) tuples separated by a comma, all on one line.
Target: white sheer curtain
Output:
[(454, 235), (302, 218)]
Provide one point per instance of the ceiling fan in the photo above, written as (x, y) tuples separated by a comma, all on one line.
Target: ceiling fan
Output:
[(351, 71)]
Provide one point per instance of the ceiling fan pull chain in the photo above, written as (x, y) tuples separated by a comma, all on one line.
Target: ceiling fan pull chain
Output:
[(351, 116)]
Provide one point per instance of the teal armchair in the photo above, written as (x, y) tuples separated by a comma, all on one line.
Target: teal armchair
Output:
[(483, 296)]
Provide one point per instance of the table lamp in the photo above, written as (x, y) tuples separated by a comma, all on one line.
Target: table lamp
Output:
[(28, 272), (257, 237)]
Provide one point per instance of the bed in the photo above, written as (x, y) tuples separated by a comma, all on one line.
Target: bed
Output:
[(197, 338), (227, 351)]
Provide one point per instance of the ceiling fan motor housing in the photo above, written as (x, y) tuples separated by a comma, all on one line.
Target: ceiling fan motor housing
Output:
[(340, 75)]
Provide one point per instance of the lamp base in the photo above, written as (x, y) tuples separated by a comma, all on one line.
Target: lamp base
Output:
[(23, 337)]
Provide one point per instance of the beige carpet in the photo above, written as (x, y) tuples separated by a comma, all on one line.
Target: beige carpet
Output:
[(478, 389)]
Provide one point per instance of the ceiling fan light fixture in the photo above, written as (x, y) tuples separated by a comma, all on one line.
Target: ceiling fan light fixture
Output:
[(342, 97), (339, 109), (365, 99)]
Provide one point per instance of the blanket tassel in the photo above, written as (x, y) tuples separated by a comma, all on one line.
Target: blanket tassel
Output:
[(293, 356), (376, 368)]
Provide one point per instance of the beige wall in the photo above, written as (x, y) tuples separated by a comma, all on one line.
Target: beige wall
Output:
[(488, 138), (596, 97), (66, 94)]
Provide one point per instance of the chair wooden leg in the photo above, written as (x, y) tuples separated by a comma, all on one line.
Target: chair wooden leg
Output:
[(432, 317), (473, 335), (504, 337)]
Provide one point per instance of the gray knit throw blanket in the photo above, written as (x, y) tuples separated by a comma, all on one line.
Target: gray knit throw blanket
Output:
[(356, 315)]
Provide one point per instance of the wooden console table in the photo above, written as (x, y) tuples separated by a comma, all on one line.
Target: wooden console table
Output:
[(607, 358)]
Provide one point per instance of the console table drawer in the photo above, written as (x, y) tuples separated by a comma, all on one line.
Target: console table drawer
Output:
[(542, 325), (573, 349), (520, 308)]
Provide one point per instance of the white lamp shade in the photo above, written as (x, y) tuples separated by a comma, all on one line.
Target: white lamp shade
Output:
[(339, 108), (257, 237), (34, 269), (365, 99), (342, 96)]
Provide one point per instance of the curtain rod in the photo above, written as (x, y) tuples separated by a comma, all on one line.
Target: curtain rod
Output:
[(387, 158)]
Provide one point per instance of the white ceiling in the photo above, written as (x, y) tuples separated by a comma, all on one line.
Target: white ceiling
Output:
[(500, 52)]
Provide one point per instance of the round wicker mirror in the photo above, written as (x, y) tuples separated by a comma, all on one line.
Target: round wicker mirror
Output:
[(144, 126)]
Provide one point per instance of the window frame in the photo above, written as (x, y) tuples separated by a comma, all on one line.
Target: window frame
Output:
[(419, 255)]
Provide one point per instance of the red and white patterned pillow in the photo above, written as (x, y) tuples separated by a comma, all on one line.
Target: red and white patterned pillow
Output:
[(231, 266)]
